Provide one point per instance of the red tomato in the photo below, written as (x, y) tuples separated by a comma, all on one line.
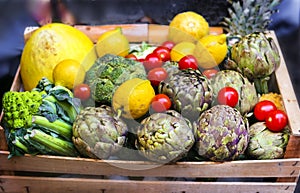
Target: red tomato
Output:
[(210, 72), (168, 44), (131, 56), (262, 109), (156, 75), (276, 120), (82, 91), (161, 103), (188, 61), (228, 96), (163, 53), (152, 61), (141, 60)]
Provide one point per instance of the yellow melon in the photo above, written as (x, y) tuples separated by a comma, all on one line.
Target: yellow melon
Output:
[(49, 45)]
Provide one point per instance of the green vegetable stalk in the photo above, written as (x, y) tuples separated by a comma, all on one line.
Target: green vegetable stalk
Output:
[(59, 146), (41, 120)]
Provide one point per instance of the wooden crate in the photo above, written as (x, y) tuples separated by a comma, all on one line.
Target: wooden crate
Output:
[(49, 174)]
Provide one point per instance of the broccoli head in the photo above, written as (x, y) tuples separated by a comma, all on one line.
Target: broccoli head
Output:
[(109, 72)]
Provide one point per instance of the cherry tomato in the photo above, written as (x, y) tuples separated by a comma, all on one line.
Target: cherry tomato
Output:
[(228, 96), (141, 59), (163, 53), (161, 103), (82, 91), (156, 75), (276, 120), (188, 61), (131, 56), (168, 44), (262, 109), (210, 72), (152, 61)]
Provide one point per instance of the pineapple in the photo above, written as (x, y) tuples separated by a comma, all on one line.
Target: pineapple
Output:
[(248, 16)]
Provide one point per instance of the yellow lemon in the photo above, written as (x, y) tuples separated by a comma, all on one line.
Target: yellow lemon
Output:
[(188, 26), (182, 49), (68, 73), (133, 98), (112, 42), (211, 50)]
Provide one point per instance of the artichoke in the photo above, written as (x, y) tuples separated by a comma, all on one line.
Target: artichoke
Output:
[(98, 132), (165, 137), (246, 90), (109, 72), (189, 91), (265, 144), (256, 56), (221, 133)]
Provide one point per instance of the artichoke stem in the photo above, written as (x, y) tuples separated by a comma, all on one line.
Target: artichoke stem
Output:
[(261, 85)]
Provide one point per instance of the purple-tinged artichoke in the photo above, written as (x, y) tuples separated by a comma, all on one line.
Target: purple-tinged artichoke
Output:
[(221, 133)]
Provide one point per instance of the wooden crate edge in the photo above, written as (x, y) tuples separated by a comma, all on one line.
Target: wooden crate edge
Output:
[(61, 184)]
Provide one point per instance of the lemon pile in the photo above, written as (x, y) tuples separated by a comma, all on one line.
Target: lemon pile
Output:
[(190, 32)]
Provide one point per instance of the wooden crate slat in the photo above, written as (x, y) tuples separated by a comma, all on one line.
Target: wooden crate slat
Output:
[(287, 92), (57, 164), (12, 184)]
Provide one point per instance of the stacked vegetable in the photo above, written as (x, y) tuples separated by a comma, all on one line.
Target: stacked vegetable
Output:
[(200, 94), (40, 121)]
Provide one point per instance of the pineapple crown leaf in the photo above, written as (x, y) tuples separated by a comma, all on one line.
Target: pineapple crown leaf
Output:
[(247, 16)]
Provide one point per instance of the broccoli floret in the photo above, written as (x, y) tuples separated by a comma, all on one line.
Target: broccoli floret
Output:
[(19, 107), (110, 71)]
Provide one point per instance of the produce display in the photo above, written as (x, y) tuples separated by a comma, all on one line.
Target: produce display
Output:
[(195, 92)]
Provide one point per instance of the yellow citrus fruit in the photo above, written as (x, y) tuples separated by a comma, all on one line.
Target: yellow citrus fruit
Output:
[(211, 50), (49, 45), (68, 73), (112, 42), (182, 49), (133, 98), (188, 23), (275, 98)]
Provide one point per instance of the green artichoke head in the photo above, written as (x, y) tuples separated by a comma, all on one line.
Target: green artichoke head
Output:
[(189, 91), (98, 132), (221, 133), (265, 144), (256, 56), (165, 137), (246, 90)]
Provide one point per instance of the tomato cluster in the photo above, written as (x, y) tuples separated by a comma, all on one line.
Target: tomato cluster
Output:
[(153, 63), (275, 119)]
